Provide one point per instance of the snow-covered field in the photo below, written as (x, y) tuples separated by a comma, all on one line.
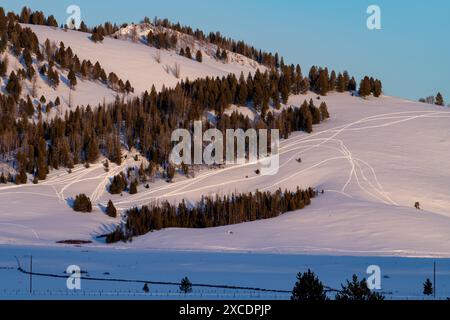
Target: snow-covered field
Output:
[(401, 278)]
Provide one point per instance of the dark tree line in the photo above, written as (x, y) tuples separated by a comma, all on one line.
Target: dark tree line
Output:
[(37, 17), (211, 212), (162, 40), (370, 86), (67, 60), (437, 100)]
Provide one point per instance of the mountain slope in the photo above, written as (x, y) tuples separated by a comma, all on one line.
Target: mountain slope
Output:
[(374, 159), (138, 63)]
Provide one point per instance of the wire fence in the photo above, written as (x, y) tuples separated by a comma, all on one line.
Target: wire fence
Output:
[(199, 289), (236, 290), (211, 294)]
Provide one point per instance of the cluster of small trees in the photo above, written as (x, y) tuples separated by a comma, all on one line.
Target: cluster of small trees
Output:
[(118, 184), (97, 35), (130, 181), (188, 54), (162, 40), (82, 203), (370, 86), (438, 100), (36, 17), (4, 179), (85, 69), (14, 86), (211, 212), (309, 288), (221, 55)]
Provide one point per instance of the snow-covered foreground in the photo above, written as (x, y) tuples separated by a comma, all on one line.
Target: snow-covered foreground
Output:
[(401, 278), (374, 158)]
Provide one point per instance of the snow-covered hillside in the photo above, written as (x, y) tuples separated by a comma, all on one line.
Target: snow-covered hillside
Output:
[(374, 159), (142, 65), (87, 92)]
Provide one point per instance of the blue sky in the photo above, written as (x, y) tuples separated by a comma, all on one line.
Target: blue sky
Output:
[(410, 54)]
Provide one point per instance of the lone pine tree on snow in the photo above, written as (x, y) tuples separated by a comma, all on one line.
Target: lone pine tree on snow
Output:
[(111, 210), (185, 285), (428, 288), (82, 203), (439, 99)]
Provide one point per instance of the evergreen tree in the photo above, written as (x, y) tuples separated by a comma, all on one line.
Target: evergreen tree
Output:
[(341, 85), (72, 79), (224, 56), (170, 172), (21, 178), (333, 81), (14, 86), (3, 179), (185, 285), (128, 87), (308, 288), (324, 111), (365, 87), (41, 152), (199, 56), (97, 37), (146, 288), (3, 66), (53, 77), (439, 99), (323, 82), (218, 54), (307, 118), (133, 187), (377, 88), (351, 84), (428, 288), (243, 93), (118, 184), (188, 53), (111, 210), (357, 291), (92, 151), (82, 203)]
